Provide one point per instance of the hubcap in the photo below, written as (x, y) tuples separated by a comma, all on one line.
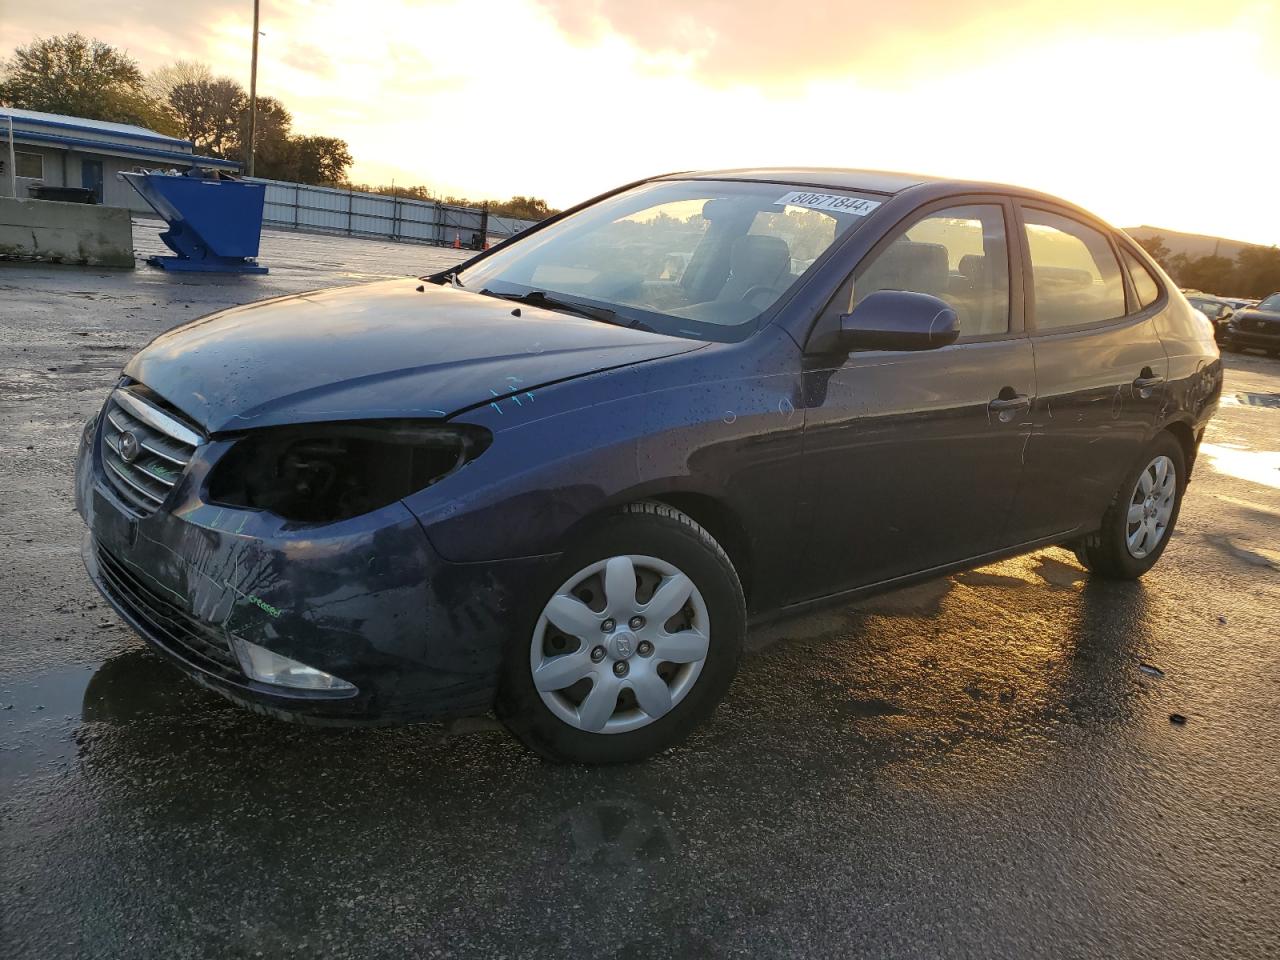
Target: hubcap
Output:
[(595, 668), (1151, 507)]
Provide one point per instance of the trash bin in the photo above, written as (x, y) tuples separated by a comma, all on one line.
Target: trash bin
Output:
[(43, 191), (215, 223)]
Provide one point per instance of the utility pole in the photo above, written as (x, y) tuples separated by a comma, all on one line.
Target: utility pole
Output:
[(13, 170), (253, 92)]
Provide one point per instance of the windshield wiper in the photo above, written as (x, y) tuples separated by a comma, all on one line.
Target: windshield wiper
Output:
[(540, 298), (449, 277)]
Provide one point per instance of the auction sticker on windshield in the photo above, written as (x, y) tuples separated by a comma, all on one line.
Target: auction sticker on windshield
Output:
[(832, 203)]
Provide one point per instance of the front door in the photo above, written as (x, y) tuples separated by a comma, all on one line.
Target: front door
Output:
[(91, 177), (1100, 371), (914, 459)]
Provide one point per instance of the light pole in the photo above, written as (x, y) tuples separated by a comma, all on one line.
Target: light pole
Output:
[(253, 92)]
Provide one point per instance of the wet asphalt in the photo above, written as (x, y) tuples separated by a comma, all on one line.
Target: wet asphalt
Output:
[(987, 765)]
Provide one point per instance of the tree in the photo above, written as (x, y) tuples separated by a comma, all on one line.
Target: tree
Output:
[(1257, 272), (73, 75), (523, 208), (319, 160), (273, 148), (1210, 274), (1155, 246), (208, 113), (161, 82)]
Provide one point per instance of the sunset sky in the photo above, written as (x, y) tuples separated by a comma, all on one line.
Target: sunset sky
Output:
[(1164, 112)]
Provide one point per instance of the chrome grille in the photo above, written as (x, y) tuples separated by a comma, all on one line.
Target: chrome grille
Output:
[(144, 450), (165, 622)]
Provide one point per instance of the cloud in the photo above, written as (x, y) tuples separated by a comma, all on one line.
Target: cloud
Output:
[(566, 98), (766, 41)]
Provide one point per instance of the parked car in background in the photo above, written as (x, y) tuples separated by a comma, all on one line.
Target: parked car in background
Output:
[(1216, 311), (1255, 328), (1237, 304), (561, 479)]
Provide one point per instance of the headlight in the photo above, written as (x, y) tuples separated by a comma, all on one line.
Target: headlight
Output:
[(267, 666), (319, 473)]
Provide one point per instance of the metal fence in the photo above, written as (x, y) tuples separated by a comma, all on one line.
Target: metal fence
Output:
[(299, 206)]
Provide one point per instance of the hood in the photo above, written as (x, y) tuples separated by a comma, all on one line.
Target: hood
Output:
[(1253, 313), (375, 351)]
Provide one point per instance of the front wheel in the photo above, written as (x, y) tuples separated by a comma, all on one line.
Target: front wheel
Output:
[(634, 648), (1137, 525)]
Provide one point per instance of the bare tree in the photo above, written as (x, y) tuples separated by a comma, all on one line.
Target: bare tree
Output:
[(160, 83)]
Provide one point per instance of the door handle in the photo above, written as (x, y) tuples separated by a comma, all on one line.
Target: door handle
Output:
[(1019, 401), (1008, 403), (1146, 383)]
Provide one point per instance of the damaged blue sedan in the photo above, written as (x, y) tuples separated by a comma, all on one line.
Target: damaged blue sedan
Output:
[(559, 480)]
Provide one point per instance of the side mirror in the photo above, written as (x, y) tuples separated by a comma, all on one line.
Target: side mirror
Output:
[(899, 320)]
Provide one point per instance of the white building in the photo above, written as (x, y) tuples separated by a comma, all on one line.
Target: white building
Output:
[(64, 151)]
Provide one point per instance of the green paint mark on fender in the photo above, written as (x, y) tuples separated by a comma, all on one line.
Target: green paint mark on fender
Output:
[(263, 605)]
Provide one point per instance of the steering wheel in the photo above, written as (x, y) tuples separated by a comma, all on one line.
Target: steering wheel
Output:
[(759, 288)]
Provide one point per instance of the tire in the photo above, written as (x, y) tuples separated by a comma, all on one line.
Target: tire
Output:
[(1108, 552), (663, 549)]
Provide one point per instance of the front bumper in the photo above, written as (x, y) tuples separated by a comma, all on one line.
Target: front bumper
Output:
[(367, 600), (1266, 338)]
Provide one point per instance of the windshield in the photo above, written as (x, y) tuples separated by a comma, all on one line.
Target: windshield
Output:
[(1271, 303), (693, 258)]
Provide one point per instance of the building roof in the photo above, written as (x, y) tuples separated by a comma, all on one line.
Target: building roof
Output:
[(122, 139), (122, 130)]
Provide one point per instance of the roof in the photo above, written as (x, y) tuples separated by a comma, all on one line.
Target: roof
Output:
[(873, 181), (102, 136), (123, 130)]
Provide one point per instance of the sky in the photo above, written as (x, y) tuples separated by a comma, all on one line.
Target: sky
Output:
[(1161, 112)]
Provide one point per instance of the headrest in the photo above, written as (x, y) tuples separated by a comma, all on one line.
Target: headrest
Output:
[(760, 260), (973, 266)]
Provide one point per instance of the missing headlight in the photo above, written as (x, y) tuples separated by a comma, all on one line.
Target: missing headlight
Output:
[(319, 473)]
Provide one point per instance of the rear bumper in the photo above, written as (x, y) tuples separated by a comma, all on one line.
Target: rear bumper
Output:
[(367, 600)]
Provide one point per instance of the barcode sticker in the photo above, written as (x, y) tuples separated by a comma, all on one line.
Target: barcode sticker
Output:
[(832, 203)]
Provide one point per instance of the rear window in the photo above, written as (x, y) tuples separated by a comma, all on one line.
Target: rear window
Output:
[(1144, 284)]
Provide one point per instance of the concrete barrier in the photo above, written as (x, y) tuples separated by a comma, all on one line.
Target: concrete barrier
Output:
[(80, 233)]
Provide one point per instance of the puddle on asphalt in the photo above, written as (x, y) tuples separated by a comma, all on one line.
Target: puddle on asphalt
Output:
[(1257, 466), (41, 712), (38, 715)]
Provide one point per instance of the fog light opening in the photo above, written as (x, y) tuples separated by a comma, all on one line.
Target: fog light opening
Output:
[(267, 666)]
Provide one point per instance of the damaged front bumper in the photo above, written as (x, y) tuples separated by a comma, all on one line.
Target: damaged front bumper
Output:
[(367, 599)]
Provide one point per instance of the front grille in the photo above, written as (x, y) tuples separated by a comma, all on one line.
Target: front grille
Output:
[(144, 450), (166, 622)]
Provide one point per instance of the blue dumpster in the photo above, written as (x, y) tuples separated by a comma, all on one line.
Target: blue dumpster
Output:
[(215, 224)]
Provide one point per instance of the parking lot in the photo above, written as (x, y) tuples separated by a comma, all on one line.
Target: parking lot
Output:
[(991, 764)]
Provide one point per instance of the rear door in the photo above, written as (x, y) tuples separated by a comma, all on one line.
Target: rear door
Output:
[(913, 458), (1100, 371)]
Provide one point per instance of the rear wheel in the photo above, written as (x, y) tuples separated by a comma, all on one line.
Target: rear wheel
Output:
[(634, 648), (1139, 521)]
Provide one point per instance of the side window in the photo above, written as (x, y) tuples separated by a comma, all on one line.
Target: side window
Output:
[(1144, 284), (1076, 276), (959, 255)]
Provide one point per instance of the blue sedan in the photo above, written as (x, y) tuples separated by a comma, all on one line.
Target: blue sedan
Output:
[(560, 480)]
